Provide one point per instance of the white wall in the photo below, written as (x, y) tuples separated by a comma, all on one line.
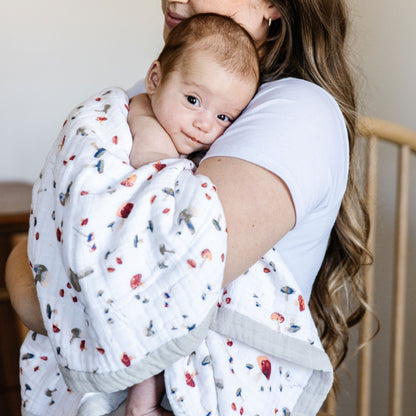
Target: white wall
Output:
[(383, 48), (56, 53)]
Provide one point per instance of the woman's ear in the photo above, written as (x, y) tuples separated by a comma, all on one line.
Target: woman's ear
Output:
[(153, 77), (272, 12)]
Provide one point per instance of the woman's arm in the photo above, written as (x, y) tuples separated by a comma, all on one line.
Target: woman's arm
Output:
[(258, 209), (22, 290)]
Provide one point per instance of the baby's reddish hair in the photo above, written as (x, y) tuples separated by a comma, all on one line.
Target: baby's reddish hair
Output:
[(229, 44)]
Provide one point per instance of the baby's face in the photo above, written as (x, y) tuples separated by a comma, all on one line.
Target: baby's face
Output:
[(197, 101)]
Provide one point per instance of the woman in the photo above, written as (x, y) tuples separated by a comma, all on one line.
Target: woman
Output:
[(291, 149)]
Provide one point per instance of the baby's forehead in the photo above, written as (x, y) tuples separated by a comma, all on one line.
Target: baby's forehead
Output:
[(207, 61)]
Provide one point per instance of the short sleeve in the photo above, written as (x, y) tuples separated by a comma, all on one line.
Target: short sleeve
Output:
[(296, 130)]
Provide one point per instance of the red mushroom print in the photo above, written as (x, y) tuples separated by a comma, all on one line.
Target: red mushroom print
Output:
[(159, 166), (265, 366), (58, 234), (301, 303), (192, 263), (63, 141), (126, 360), (130, 181), (206, 254), (189, 379), (275, 316), (136, 281), (125, 209)]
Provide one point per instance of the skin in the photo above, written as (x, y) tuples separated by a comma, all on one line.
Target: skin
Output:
[(253, 228), (206, 97), (252, 14)]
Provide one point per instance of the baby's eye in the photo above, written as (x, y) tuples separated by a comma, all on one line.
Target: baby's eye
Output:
[(192, 100), (225, 118)]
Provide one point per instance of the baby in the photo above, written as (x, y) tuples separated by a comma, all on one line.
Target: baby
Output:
[(203, 79), (205, 76)]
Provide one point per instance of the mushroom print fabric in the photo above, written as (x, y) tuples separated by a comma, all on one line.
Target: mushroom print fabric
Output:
[(128, 265)]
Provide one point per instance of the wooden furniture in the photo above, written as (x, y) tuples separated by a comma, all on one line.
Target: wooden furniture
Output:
[(374, 131), (15, 198)]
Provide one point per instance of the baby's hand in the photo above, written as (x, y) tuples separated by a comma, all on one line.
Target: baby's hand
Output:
[(144, 399)]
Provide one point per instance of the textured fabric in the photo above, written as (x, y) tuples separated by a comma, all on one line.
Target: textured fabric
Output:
[(116, 253), (262, 355), (128, 266), (296, 130)]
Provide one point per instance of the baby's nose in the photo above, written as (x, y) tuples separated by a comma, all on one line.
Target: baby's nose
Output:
[(204, 122)]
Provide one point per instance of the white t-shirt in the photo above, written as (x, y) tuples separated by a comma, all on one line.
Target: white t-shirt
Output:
[(296, 130)]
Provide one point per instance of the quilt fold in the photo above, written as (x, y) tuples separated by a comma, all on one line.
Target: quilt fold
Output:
[(128, 265)]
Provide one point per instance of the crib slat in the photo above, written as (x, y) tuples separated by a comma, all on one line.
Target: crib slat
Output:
[(365, 355), (331, 404), (399, 300)]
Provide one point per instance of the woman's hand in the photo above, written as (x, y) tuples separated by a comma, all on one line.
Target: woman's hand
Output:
[(258, 210), (21, 287)]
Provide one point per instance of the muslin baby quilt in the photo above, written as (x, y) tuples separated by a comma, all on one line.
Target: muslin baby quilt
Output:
[(128, 266)]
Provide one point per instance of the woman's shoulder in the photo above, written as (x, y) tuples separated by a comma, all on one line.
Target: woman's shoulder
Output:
[(302, 94), (295, 108), (137, 88), (296, 130)]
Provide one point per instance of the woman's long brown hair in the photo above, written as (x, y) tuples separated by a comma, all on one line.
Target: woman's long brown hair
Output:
[(308, 42)]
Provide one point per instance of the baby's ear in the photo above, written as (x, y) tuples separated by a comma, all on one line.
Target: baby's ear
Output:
[(153, 77)]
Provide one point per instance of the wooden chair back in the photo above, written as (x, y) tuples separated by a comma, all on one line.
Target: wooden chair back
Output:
[(374, 131)]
